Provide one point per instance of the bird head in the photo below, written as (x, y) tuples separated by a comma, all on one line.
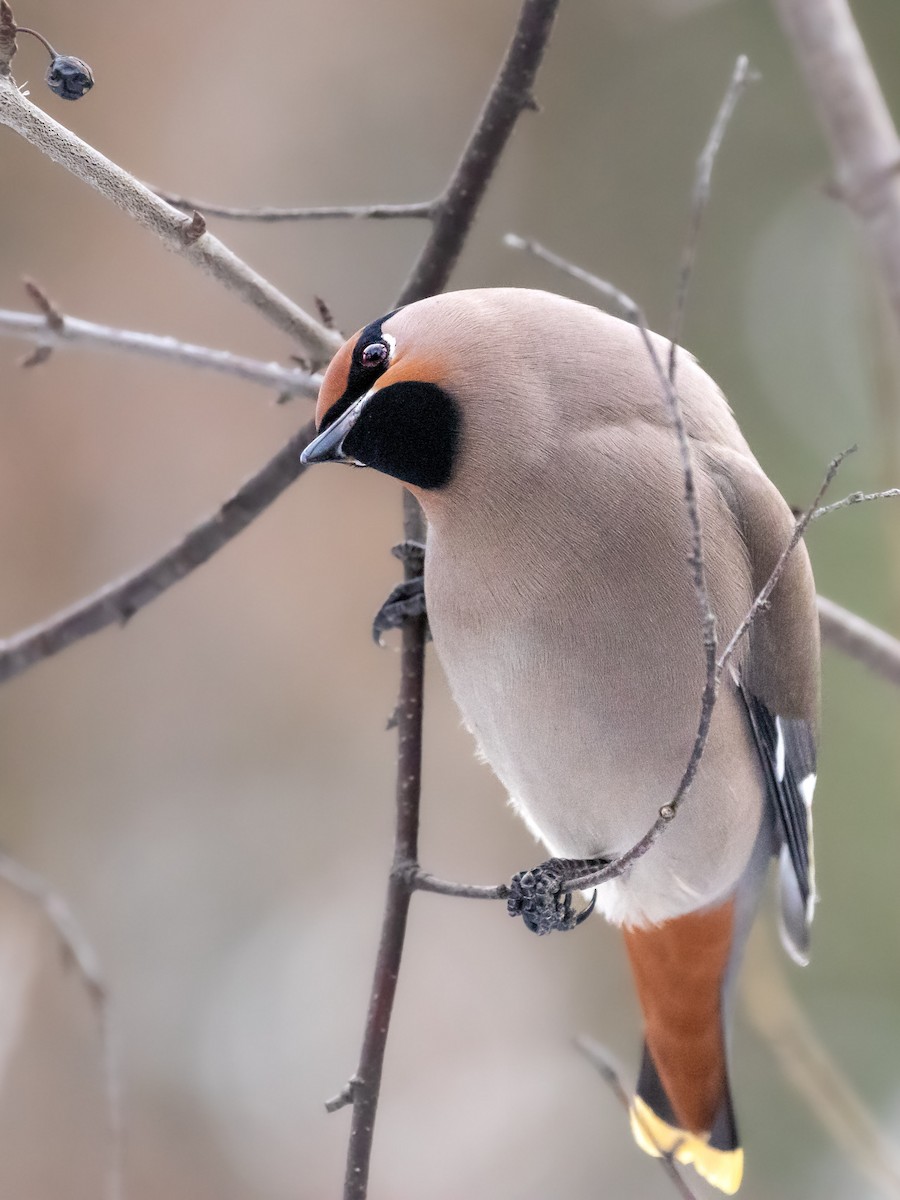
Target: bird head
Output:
[(385, 403)]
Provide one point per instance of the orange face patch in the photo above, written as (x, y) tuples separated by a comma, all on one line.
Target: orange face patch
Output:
[(334, 384), (403, 367)]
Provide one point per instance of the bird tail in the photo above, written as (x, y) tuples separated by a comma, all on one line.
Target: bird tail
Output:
[(683, 1102), (716, 1154)]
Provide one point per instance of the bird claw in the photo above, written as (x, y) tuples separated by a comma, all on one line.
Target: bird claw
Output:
[(407, 600), (539, 897)]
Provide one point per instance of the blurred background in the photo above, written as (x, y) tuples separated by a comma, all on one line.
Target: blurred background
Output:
[(211, 787)]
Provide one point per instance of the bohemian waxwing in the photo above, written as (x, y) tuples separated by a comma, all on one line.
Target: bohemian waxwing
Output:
[(532, 430)]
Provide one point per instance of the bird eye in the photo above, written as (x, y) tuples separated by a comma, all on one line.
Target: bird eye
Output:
[(374, 354)]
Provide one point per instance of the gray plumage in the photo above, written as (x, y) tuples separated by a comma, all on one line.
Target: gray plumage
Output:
[(560, 597)]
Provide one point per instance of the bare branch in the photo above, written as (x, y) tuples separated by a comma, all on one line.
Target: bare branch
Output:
[(423, 882), (78, 951), (288, 381), (855, 498), (714, 665), (696, 559), (860, 640), (452, 220), (856, 122), (740, 77), (118, 602), (177, 232), (272, 215), (509, 96), (366, 1084), (800, 527), (598, 1058)]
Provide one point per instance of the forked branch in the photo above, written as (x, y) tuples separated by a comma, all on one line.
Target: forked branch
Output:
[(185, 235), (66, 332)]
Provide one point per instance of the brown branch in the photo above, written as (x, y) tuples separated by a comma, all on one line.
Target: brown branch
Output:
[(860, 640), (118, 602), (599, 1060), (510, 94), (454, 213), (366, 1084), (78, 951), (269, 214)]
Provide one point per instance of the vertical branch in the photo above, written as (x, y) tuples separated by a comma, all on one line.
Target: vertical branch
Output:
[(865, 153), (453, 215), (456, 208), (856, 122), (366, 1084), (740, 77)]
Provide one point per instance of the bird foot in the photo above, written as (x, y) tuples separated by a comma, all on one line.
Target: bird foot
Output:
[(407, 600), (542, 896)]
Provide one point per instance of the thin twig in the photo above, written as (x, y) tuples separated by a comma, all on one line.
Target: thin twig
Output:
[(714, 665), (287, 381), (186, 236), (800, 527), (78, 951), (856, 498), (740, 77), (423, 882), (118, 602), (598, 1058), (860, 640), (271, 214), (510, 94), (696, 558)]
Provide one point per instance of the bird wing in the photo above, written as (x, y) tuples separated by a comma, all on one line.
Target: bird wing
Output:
[(778, 677), (787, 750)]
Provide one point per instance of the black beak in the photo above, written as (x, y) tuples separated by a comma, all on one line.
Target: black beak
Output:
[(329, 445)]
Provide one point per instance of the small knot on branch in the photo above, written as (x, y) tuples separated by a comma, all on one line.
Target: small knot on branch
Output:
[(344, 1097), (406, 872), (193, 228), (45, 306), (325, 314), (39, 355)]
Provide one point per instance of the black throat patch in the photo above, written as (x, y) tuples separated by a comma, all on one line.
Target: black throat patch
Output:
[(409, 430)]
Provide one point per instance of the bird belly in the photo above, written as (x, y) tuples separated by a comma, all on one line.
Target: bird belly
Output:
[(590, 743)]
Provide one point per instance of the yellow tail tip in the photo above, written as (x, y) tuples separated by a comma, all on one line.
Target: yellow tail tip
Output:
[(724, 1169)]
